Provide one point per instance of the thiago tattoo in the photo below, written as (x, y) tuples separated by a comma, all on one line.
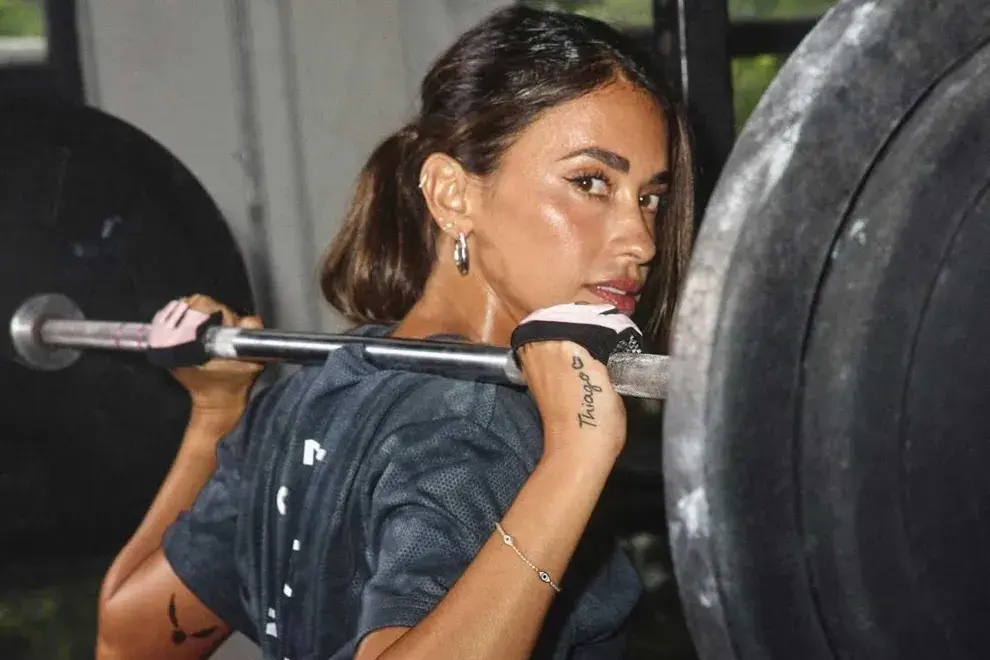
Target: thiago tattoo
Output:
[(586, 416), (178, 635)]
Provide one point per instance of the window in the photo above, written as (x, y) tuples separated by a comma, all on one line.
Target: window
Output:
[(753, 68), (777, 9), (623, 13), (750, 78), (753, 73), (22, 32)]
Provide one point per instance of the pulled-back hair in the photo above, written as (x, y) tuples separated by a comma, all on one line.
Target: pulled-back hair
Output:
[(489, 86)]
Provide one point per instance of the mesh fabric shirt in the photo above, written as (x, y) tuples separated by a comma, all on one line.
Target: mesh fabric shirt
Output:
[(351, 498)]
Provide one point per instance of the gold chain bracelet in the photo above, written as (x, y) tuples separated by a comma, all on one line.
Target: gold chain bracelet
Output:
[(511, 542)]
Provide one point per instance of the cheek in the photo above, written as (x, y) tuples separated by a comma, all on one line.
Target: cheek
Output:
[(573, 226), (542, 247)]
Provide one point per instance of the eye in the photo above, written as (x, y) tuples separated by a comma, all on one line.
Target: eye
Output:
[(654, 202), (596, 185)]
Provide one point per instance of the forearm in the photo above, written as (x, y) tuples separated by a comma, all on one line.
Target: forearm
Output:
[(195, 462), (496, 609)]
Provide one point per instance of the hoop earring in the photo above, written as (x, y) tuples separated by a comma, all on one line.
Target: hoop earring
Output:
[(461, 254)]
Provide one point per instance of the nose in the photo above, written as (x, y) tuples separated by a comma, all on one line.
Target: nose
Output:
[(635, 236)]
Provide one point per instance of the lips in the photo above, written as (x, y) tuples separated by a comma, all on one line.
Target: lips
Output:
[(622, 297)]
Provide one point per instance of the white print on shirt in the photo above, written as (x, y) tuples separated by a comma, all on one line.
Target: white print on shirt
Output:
[(271, 629), (283, 492), (311, 450)]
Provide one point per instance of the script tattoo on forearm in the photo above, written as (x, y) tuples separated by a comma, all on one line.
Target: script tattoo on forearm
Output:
[(179, 635), (586, 414)]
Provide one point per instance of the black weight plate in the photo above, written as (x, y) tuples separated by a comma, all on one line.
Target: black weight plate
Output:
[(896, 421), (95, 209), (734, 450)]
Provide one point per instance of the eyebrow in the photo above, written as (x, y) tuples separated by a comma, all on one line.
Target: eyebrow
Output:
[(610, 158), (617, 162), (660, 179)]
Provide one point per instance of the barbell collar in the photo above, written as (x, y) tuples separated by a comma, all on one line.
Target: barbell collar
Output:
[(27, 323)]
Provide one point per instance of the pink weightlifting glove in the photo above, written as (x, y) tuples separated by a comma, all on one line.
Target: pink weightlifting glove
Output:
[(176, 335), (601, 329)]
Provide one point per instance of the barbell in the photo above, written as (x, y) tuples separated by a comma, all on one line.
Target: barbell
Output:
[(98, 212), (48, 332), (827, 422)]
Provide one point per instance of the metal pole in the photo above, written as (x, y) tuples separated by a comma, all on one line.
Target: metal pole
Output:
[(48, 332)]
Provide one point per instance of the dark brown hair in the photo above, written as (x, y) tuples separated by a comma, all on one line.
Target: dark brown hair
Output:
[(488, 87)]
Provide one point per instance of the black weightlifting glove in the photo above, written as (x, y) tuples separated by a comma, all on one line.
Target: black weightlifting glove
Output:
[(601, 329)]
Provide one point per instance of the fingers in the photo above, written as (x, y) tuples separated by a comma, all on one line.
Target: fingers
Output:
[(251, 323), (208, 306), (600, 329), (178, 322), (176, 325), (172, 314), (164, 315)]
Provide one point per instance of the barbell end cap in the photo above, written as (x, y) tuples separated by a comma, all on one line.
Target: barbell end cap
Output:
[(25, 331)]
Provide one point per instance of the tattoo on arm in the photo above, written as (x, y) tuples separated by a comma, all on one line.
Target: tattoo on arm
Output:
[(586, 413), (178, 635)]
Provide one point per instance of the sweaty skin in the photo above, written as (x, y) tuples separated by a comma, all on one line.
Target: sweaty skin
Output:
[(572, 204)]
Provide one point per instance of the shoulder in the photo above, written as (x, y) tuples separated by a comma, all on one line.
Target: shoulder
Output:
[(433, 398), (440, 411), (413, 398), (465, 448), (397, 414)]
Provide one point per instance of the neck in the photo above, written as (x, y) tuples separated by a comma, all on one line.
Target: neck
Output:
[(456, 304)]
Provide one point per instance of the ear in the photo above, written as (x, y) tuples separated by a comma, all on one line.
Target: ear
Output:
[(447, 190)]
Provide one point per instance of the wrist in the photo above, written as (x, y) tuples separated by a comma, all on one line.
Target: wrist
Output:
[(585, 459), (219, 403), (582, 447), (205, 429), (218, 415)]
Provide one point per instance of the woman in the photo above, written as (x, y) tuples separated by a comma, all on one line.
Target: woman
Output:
[(357, 512)]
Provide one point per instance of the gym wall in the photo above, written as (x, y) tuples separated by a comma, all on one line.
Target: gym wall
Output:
[(273, 106)]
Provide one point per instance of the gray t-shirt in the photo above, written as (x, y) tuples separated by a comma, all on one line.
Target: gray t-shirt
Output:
[(350, 498)]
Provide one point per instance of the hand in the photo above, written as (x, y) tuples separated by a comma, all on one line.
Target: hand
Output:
[(580, 409), (563, 351), (219, 386)]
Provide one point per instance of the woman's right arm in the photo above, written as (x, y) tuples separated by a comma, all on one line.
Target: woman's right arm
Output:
[(141, 598), (145, 610), (497, 607)]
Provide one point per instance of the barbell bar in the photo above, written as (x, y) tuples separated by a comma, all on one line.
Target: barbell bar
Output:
[(49, 332)]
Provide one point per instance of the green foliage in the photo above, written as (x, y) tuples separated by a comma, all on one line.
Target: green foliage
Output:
[(750, 78), (21, 18), (56, 622), (742, 9), (640, 12), (752, 75)]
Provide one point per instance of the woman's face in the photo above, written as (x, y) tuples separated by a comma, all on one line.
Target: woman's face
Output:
[(569, 215)]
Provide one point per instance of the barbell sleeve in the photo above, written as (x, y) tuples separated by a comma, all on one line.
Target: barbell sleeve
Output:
[(48, 331)]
